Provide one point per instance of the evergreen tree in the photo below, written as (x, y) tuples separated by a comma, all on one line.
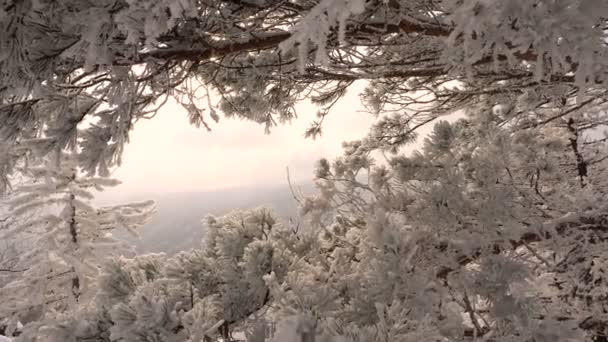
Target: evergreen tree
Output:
[(202, 294), (64, 237)]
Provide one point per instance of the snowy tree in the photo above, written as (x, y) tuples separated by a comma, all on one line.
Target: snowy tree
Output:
[(494, 230), (472, 237), (114, 62), (201, 294), (62, 239)]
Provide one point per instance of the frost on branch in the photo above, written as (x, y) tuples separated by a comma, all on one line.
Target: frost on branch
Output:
[(316, 26), (552, 37)]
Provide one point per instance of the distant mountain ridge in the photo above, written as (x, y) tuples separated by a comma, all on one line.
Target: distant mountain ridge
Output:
[(178, 223)]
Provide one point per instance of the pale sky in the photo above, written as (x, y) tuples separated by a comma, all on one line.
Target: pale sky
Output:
[(167, 154)]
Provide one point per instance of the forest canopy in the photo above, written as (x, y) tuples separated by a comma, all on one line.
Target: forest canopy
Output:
[(111, 63)]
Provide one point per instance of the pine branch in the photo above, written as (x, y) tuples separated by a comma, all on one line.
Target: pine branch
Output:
[(578, 224), (10, 270)]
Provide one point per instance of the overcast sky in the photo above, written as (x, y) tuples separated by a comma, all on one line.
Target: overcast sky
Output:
[(167, 154)]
